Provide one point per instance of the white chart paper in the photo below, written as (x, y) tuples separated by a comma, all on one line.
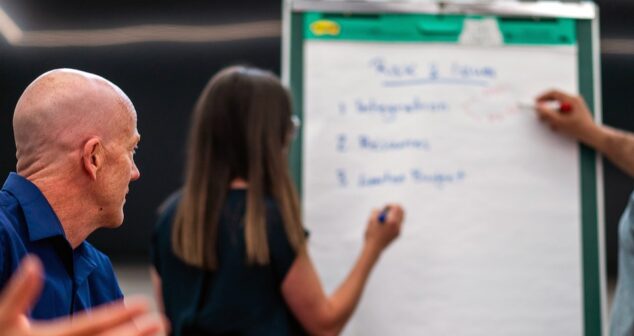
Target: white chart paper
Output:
[(491, 242)]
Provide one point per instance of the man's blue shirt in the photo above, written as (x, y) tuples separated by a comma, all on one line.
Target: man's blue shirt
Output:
[(75, 279)]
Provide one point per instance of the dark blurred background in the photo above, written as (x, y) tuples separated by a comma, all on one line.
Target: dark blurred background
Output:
[(163, 79)]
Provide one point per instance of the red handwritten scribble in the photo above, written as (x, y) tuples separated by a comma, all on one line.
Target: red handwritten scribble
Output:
[(493, 105)]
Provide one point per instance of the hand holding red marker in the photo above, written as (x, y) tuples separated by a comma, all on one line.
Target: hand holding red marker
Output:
[(566, 113)]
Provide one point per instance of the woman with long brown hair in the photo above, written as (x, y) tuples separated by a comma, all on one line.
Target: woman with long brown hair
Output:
[(229, 251)]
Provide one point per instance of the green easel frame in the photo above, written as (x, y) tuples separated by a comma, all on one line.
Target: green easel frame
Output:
[(577, 21)]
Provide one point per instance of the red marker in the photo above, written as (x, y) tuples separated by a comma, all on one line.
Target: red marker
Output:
[(565, 107)]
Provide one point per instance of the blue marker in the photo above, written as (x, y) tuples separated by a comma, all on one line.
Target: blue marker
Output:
[(383, 214)]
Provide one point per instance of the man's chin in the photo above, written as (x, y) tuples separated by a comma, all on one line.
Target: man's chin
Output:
[(119, 222), (114, 223)]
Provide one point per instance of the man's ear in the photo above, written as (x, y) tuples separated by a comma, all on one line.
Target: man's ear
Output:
[(93, 157)]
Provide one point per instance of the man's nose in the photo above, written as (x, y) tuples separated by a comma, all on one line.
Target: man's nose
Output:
[(136, 174)]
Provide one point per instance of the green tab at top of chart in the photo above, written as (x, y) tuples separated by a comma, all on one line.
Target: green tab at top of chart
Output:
[(534, 31), (383, 27), (431, 28)]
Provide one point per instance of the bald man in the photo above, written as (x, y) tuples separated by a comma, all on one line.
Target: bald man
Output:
[(75, 135)]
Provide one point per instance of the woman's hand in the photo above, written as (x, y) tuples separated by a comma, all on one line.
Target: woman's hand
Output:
[(379, 234), (576, 122)]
